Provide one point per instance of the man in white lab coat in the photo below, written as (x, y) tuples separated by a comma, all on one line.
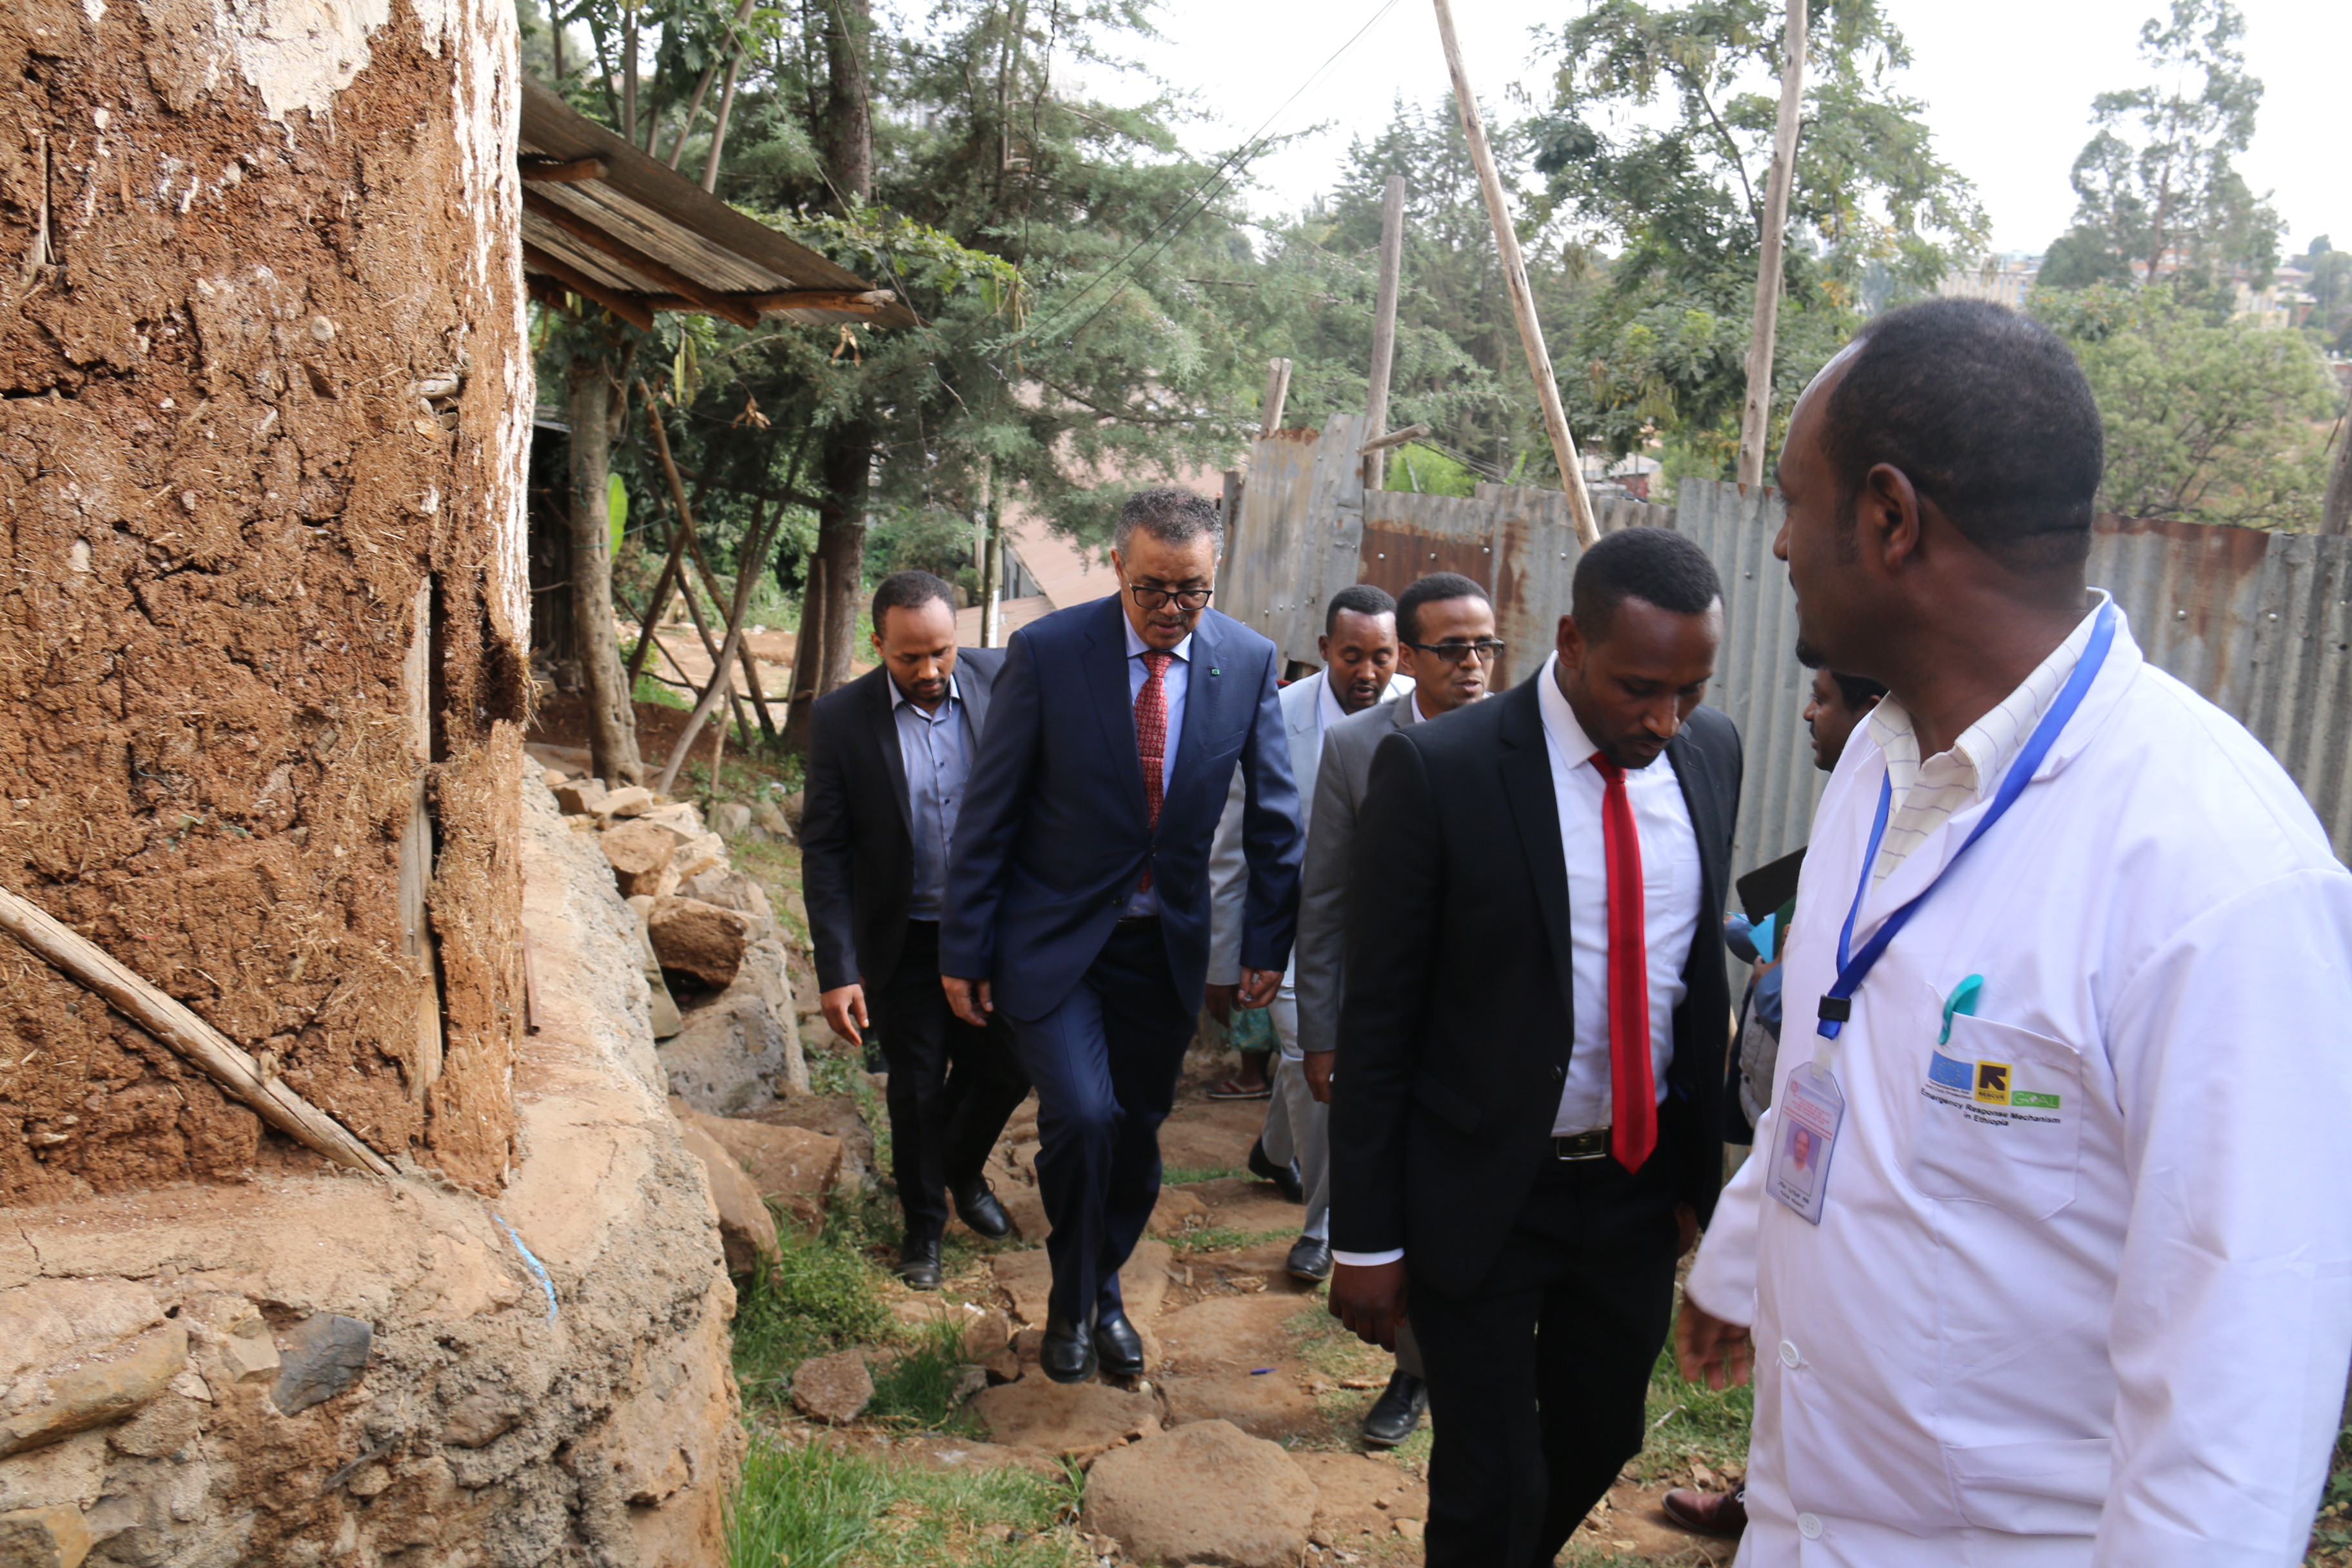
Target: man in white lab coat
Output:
[(2068, 1280)]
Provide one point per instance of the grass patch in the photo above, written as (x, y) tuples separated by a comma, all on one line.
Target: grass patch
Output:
[(816, 1508), (1689, 1421), (917, 1391), (1329, 1349), (819, 1295), (1185, 1175), (1220, 1238)]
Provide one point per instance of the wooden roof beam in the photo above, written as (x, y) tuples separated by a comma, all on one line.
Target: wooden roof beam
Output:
[(559, 172), (850, 301), (656, 270), (631, 308)]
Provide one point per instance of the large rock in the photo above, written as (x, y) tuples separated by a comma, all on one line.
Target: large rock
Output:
[(1076, 1418), (581, 797), (699, 940), (634, 801), (53, 1537), (1267, 1405), (746, 1229), (788, 1166), (1207, 1494), (833, 1388), (1355, 1496), (836, 1116), (706, 852), (732, 889), (730, 819), (94, 1390), (640, 853), (741, 1050), (324, 1354), (1027, 1277)]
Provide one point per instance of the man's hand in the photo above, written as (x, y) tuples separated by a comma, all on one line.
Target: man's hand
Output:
[(1220, 1003), (1706, 1349), (845, 1009), (1686, 1225), (1370, 1299), (1258, 986), (1318, 1065), (968, 999)]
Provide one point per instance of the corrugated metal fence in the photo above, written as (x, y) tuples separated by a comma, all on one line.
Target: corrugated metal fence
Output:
[(2261, 623)]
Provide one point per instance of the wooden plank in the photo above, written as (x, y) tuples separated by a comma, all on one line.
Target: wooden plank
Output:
[(630, 308), (869, 302), (556, 174), (415, 876), (651, 269), (552, 126)]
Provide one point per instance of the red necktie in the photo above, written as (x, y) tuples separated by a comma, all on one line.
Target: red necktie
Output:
[(1633, 1127), (1151, 738)]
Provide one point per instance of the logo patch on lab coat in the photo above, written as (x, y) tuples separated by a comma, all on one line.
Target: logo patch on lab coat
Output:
[(1992, 1083)]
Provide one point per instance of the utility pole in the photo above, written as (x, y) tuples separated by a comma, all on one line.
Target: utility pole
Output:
[(992, 566), (1514, 280), (1278, 392), (1756, 418), (2336, 513), (1385, 322)]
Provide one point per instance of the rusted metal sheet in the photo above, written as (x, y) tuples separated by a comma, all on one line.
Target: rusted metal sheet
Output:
[(2259, 623)]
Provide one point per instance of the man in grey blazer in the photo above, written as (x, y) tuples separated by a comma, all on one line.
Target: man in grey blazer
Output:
[(1359, 652), (1445, 627)]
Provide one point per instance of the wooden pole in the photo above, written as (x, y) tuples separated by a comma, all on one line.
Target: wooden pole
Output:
[(739, 616), (1514, 280), (709, 578), (1756, 418), (1278, 392), (2336, 512), (203, 1046), (1384, 321)]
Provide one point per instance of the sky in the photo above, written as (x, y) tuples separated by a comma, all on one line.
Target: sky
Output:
[(2007, 86)]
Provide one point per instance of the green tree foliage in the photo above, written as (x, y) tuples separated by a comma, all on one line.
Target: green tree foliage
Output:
[(1873, 210), (2206, 422), (2160, 194), (2331, 294)]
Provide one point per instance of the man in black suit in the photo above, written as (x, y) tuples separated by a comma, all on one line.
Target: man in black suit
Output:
[(1527, 1131), (888, 757)]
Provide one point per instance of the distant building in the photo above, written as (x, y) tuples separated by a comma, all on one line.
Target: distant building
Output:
[(2286, 301), (2005, 280)]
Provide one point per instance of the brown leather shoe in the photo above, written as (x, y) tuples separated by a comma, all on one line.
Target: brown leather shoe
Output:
[(1722, 1514)]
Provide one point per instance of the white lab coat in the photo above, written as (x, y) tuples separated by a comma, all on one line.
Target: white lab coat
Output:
[(2116, 1335)]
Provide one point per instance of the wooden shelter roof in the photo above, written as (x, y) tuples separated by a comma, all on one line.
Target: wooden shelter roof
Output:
[(607, 221)]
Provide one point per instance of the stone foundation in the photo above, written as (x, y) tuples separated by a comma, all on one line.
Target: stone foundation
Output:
[(330, 1369)]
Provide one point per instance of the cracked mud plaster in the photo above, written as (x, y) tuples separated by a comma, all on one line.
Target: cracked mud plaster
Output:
[(232, 242)]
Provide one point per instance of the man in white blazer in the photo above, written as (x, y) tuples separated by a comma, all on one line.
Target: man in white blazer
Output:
[(1359, 647), (2065, 1279)]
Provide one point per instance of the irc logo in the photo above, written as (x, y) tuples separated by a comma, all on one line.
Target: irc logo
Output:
[(1992, 1083)]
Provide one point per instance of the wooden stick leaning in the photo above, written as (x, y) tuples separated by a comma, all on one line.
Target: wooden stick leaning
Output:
[(1755, 413), (188, 1036), (1515, 283), (1384, 318)]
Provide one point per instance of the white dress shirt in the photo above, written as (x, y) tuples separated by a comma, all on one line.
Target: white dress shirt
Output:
[(1174, 681), (1670, 908), (1670, 899), (1925, 794), (1328, 711)]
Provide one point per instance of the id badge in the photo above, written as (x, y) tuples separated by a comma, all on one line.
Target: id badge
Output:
[(1812, 1108)]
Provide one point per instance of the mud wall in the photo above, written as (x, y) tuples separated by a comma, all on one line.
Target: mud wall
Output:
[(264, 394)]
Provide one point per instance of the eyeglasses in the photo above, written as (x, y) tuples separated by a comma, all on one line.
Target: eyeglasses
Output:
[(1486, 650), (1186, 598)]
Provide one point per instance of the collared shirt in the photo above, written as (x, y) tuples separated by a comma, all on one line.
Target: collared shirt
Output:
[(1927, 795), (938, 760), (1670, 900), (1174, 681), (1328, 711)]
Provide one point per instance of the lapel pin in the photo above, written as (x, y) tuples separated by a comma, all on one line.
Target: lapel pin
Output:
[(1214, 670)]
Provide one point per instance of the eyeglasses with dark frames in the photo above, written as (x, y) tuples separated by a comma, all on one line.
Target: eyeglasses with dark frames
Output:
[(1156, 598), (1486, 650)]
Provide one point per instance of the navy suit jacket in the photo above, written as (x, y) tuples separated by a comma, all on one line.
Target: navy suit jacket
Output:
[(1054, 833)]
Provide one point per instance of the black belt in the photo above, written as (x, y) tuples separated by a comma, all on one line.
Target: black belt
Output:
[(1138, 919), (1592, 1145)]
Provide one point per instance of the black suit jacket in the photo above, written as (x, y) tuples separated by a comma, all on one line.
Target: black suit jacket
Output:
[(1455, 1029), (857, 850)]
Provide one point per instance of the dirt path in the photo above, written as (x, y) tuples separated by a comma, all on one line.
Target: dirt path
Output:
[(1229, 1335)]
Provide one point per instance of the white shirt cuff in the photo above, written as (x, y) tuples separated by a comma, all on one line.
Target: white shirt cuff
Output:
[(1368, 1259)]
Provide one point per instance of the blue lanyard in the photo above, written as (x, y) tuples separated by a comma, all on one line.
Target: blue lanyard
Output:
[(1853, 967)]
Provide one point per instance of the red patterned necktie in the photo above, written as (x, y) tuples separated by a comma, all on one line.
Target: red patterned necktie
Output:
[(1633, 1127), (1151, 738)]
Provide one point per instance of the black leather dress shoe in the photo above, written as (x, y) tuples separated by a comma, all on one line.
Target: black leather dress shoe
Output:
[(1397, 1411), (918, 1264), (1067, 1352), (1286, 1177), (1117, 1342), (1310, 1259), (977, 1206)]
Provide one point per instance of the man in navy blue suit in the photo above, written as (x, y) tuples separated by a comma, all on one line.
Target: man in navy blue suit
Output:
[(1077, 897)]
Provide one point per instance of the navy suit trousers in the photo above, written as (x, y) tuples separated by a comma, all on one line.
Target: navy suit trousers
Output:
[(1105, 1063)]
